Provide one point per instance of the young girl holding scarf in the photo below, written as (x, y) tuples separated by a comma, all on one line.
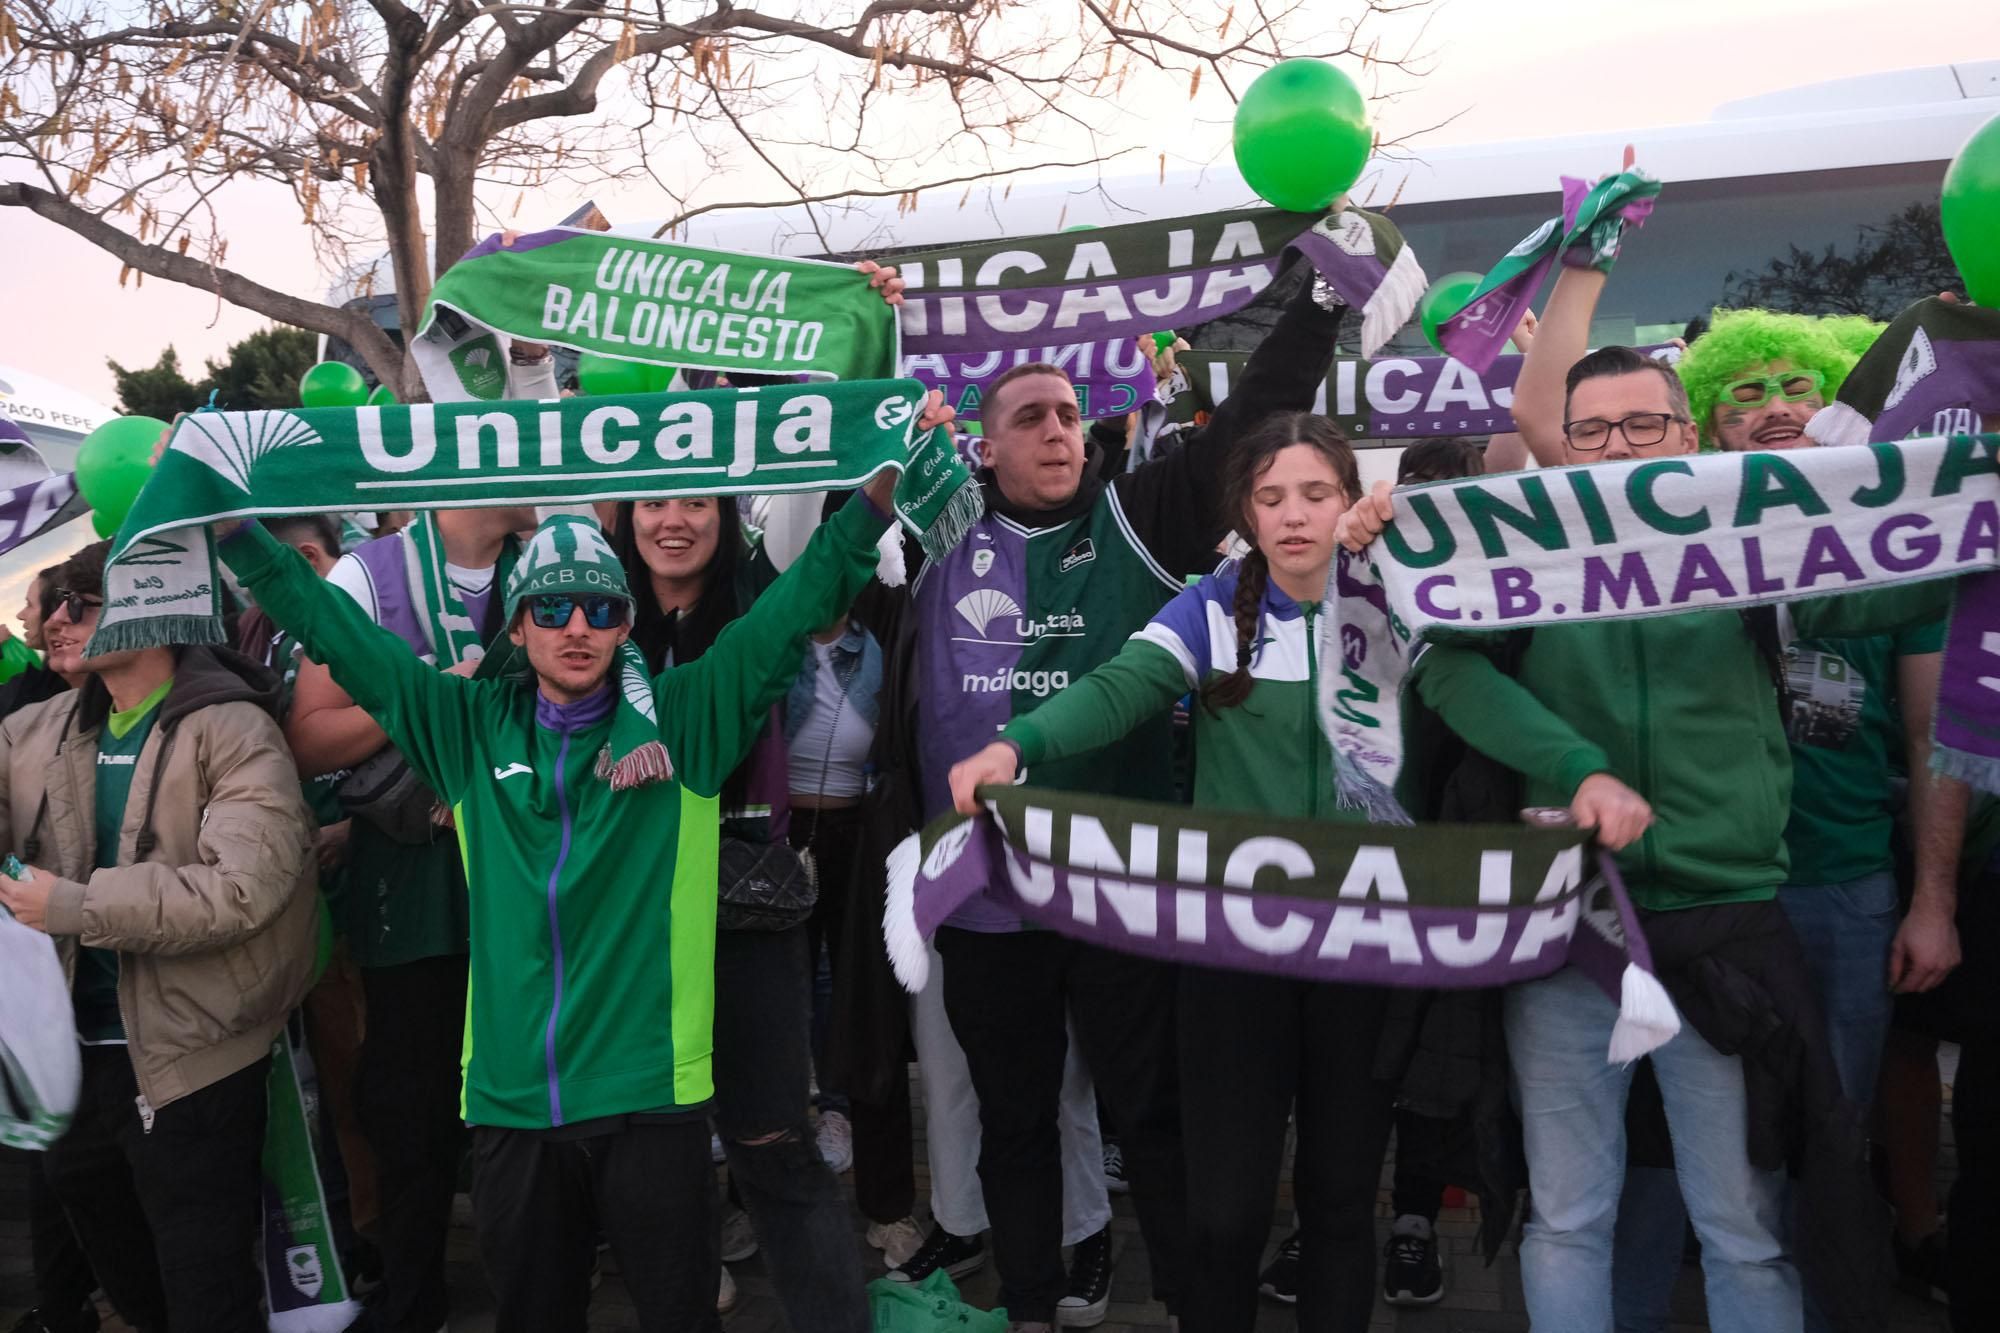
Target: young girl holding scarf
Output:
[(1243, 640), (694, 567)]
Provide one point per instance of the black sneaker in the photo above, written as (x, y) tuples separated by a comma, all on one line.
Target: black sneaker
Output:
[(1920, 1268), (1281, 1276), (1411, 1271), (1089, 1283), (956, 1255), (1114, 1168), (41, 1321)]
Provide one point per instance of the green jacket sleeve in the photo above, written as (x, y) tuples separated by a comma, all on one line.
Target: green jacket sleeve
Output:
[(1856, 615), (712, 708), (430, 716), (1107, 704), (1496, 715)]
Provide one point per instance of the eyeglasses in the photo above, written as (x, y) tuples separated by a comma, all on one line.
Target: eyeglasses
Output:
[(553, 610), (77, 605), (1757, 390), (1640, 430)]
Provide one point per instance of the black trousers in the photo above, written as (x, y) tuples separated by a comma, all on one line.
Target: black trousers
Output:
[(169, 1216), (63, 1280), (406, 1095), (885, 1176), (1972, 1226), (763, 1064), (1250, 1046), (1009, 997), (539, 1202)]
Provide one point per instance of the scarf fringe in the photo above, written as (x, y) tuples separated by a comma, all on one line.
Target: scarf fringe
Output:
[(1356, 790), (154, 632), (1390, 308), (907, 953), (1977, 770), (648, 763), (1837, 424), (335, 1318), (1647, 1019), (966, 507)]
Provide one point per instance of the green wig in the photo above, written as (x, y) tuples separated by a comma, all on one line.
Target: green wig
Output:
[(1739, 340)]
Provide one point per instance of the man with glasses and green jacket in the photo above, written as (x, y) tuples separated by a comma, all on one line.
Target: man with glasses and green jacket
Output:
[(584, 794)]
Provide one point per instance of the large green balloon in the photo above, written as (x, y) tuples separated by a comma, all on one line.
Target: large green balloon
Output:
[(332, 384), (383, 396), (1302, 135), (112, 464), (1971, 213), (601, 376), (1443, 299)]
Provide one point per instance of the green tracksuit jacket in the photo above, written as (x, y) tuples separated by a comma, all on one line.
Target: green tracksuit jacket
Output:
[(593, 912), (1681, 709)]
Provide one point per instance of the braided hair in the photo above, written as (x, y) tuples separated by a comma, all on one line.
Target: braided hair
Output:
[(1248, 461)]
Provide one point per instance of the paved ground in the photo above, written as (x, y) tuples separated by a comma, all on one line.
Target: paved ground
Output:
[(1478, 1299)]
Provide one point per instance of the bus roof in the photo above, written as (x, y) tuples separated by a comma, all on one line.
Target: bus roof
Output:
[(1911, 116)]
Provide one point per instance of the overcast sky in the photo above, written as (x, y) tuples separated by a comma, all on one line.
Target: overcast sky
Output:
[(1523, 69)]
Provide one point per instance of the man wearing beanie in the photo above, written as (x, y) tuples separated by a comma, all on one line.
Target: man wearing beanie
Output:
[(585, 797)]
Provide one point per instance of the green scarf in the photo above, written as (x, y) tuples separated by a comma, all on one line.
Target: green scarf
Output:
[(653, 301), (161, 584), (453, 636), (673, 305)]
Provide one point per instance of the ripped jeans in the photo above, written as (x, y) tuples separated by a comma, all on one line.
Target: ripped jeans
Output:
[(763, 1062)]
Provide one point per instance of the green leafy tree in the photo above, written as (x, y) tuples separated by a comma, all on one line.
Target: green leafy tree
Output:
[(1891, 264), (158, 390), (261, 371)]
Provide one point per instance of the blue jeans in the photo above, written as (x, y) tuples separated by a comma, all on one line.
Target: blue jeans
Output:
[(1573, 1116), (1847, 930)]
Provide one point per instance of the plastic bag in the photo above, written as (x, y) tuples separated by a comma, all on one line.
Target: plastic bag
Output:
[(41, 1071), (930, 1306)]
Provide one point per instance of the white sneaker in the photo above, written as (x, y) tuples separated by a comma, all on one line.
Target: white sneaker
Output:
[(725, 1299), (897, 1240), (836, 1141), (739, 1237)]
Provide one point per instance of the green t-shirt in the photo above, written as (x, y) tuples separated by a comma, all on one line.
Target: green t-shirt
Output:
[(1846, 728), (118, 745)]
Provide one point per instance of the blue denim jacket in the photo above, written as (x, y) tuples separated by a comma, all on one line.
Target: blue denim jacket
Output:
[(864, 682)]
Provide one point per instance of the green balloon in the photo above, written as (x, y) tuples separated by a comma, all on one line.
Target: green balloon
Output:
[(1443, 299), (603, 376), (112, 464), (1164, 339), (1302, 135), (382, 397), (1971, 213), (332, 384)]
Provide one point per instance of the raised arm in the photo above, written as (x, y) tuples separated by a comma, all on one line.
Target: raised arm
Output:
[(1560, 339), (430, 715), (1171, 502)]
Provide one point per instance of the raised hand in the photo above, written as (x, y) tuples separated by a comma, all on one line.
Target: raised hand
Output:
[(882, 277)]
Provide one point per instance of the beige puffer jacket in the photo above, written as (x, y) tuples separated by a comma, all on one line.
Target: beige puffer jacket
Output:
[(216, 917)]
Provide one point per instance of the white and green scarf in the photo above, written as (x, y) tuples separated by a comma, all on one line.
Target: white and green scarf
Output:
[(161, 583), (1617, 541)]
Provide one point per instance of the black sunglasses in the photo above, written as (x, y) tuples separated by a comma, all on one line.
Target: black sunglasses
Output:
[(76, 604), (552, 610)]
